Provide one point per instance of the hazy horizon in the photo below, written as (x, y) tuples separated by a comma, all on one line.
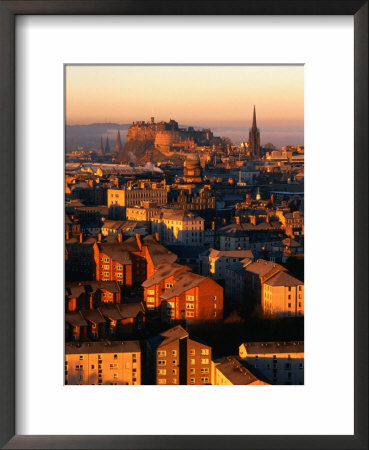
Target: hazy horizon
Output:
[(219, 97)]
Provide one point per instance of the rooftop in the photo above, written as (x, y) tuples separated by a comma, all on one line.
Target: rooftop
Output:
[(259, 348), (102, 347)]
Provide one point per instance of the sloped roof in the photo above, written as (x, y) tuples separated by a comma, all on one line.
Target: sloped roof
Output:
[(259, 348), (103, 347), (75, 318), (262, 267), (173, 334), (283, 279), (184, 282), (236, 372), (163, 271)]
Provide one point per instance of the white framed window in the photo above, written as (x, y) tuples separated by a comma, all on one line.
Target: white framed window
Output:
[(115, 375), (113, 366), (205, 370), (192, 380), (205, 351), (151, 292), (190, 298), (204, 380), (162, 362), (81, 357), (192, 370), (162, 372), (204, 361), (168, 285), (192, 362), (162, 353), (174, 352), (162, 381), (190, 306), (192, 351)]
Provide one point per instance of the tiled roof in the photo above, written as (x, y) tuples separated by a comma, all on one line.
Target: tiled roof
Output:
[(184, 282), (163, 271), (259, 348), (283, 279)]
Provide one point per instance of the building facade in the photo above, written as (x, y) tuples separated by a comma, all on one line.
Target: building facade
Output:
[(102, 363)]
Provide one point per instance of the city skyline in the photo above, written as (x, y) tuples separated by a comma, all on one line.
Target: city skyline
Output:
[(219, 97)]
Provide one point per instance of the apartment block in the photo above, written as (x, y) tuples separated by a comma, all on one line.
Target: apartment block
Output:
[(103, 363)]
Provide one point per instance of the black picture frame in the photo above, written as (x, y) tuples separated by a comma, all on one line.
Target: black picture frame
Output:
[(8, 12)]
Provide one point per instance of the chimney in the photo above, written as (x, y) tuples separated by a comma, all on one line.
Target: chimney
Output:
[(120, 237), (99, 237), (237, 220), (67, 235), (157, 237), (80, 238), (138, 240)]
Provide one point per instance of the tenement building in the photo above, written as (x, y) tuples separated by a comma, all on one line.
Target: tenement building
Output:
[(175, 359), (117, 362)]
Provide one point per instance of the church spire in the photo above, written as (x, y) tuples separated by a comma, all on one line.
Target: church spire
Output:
[(118, 144), (100, 151), (107, 146), (254, 119)]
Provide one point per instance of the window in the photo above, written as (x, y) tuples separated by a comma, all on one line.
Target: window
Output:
[(192, 370), (162, 381), (106, 259), (289, 297), (190, 298), (81, 377), (168, 285), (204, 380), (174, 371), (162, 353), (289, 288), (174, 352), (204, 351), (204, 361), (189, 314), (289, 305), (162, 362), (174, 381), (81, 357), (300, 288), (162, 372), (192, 351), (174, 362), (115, 375), (192, 362), (151, 291), (205, 370), (92, 366), (115, 356), (299, 304), (150, 299), (79, 367), (192, 380), (113, 366)]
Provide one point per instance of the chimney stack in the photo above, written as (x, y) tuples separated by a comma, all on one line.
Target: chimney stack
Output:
[(157, 237), (120, 237), (67, 235), (80, 238), (99, 237)]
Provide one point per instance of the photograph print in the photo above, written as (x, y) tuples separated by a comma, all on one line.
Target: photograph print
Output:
[(184, 225)]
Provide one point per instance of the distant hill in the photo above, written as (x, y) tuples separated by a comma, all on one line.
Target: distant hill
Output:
[(88, 136)]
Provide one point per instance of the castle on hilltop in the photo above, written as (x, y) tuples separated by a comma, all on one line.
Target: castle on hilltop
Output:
[(166, 137)]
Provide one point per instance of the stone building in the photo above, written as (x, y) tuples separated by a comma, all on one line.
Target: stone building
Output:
[(192, 172), (254, 139)]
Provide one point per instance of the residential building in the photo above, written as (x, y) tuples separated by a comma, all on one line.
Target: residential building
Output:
[(117, 362), (230, 371), (192, 298), (178, 226), (219, 260), (235, 285), (292, 223), (177, 359), (278, 362), (135, 196), (283, 295), (256, 274)]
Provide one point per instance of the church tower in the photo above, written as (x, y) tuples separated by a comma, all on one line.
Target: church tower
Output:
[(254, 139), (107, 146), (100, 151), (118, 144)]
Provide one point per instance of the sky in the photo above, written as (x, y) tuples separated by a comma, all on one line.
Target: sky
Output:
[(215, 96)]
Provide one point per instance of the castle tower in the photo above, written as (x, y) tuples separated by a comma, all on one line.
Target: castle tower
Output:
[(118, 144), (107, 146), (254, 139), (100, 151)]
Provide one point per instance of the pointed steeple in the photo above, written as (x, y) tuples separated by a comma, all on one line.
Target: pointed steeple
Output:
[(107, 146), (118, 144), (100, 151), (254, 119)]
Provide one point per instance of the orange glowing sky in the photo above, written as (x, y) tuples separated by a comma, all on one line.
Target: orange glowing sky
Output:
[(215, 96)]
